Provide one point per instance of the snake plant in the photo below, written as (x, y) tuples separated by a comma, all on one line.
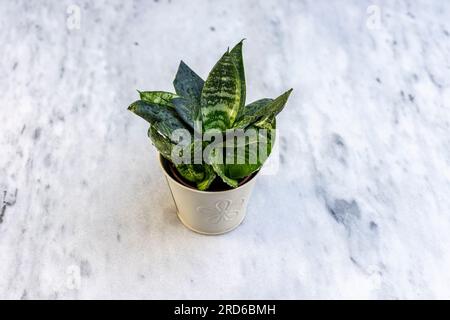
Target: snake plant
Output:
[(216, 106)]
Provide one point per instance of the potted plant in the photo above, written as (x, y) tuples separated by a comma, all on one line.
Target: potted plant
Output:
[(211, 144)]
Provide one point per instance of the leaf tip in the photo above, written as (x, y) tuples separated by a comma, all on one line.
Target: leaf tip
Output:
[(233, 184), (131, 107), (287, 93), (240, 43)]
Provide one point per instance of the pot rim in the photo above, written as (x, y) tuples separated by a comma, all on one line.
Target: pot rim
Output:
[(161, 159)]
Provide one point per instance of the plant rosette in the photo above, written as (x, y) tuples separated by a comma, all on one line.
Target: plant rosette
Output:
[(211, 144)]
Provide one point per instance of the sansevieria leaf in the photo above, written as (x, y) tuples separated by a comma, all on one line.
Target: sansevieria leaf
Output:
[(160, 98), (192, 172), (252, 113), (209, 177), (161, 142), (156, 114), (236, 54), (188, 110), (249, 157), (216, 161), (246, 155), (261, 110), (200, 174), (266, 123), (275, 107), (187, 83), (221, 95)]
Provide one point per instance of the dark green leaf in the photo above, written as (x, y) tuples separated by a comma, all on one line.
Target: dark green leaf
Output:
[(221, 95), (161, 136), (187, 83), (153, 113), (188, 110), (200, 174), (161, 142)]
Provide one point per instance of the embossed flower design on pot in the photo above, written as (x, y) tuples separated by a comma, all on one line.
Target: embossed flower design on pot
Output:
[(222, 211)]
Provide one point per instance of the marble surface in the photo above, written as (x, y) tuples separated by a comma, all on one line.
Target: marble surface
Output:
[(358, 208)]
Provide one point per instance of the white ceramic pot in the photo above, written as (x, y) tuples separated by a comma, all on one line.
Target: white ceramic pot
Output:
[(209, 212)]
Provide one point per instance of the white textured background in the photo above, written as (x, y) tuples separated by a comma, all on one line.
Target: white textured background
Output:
[(360, 207)]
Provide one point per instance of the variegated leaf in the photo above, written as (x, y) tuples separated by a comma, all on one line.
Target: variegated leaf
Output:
[(252, 113), (200, 174), (160, 98), (261, 110), (167, 118), (246, 166), (245, 156), (219, 168), (209, 177), (161, 142), (221, 95), (266, 123), (192, 173), (275, 107), (236, 54)]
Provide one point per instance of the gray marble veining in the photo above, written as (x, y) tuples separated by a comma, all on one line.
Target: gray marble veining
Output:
[(359, 207)]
